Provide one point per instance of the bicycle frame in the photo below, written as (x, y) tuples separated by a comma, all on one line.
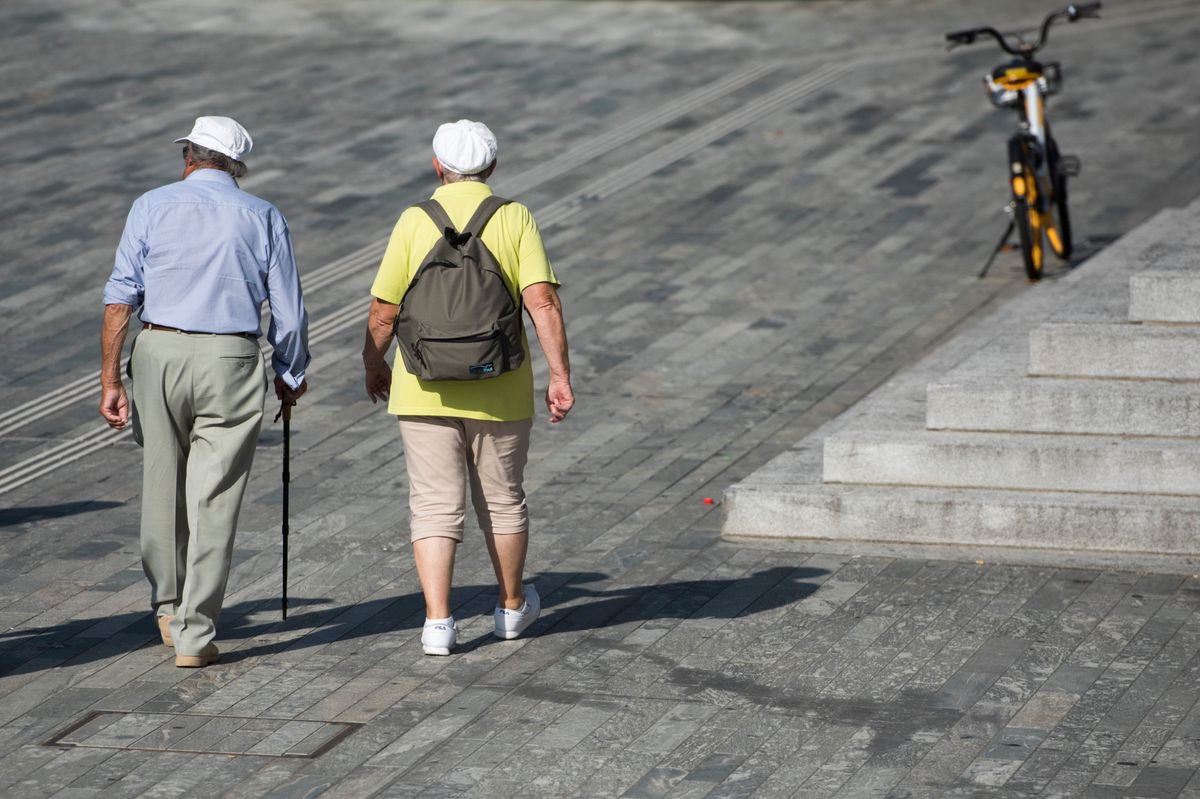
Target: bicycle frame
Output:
[(1035, 112), (1034, 135)]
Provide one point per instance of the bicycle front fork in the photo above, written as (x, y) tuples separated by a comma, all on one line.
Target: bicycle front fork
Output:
[(1026, 165)]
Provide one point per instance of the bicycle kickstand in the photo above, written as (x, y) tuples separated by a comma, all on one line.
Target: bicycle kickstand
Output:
[(999, 246)]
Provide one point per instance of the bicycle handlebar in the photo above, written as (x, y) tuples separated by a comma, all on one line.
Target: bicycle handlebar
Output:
[(970, 36), (1071, 13)]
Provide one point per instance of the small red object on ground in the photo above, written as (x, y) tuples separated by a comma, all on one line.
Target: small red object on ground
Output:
[(708, 500)]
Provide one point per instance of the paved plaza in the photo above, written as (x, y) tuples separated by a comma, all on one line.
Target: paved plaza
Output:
[(760, 211)]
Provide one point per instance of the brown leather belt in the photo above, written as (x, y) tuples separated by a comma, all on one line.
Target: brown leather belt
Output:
[(165, 329)]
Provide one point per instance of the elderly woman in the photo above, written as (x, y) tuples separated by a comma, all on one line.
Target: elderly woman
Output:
[(472, 431)]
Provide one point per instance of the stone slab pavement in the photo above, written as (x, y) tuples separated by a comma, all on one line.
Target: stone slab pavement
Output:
[(760, 211)]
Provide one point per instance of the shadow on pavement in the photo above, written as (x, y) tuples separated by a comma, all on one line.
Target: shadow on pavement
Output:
[(67, 644), (10, 517), (572, 602), (686, 599)]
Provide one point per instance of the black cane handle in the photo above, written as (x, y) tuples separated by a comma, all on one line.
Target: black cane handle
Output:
[(285, 411)]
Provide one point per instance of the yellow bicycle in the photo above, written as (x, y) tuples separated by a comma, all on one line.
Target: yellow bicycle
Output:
[(1037, 171)]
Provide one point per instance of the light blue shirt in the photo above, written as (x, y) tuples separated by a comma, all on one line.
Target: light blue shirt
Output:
[(202, 255)]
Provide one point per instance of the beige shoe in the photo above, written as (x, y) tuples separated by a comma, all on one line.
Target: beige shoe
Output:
[(210, 654), (164, 629)]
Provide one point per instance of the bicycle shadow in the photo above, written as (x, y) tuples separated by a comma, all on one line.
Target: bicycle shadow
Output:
[(1085, 250)]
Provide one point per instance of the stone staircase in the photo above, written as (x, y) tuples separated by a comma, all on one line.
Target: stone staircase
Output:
[(1068, 420)]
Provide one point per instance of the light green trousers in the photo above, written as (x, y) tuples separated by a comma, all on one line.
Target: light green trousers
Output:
[(198, 403)]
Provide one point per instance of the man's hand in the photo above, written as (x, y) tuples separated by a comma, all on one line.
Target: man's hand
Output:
[(287, 394), (559, 400), (379, 382), (114, 405)]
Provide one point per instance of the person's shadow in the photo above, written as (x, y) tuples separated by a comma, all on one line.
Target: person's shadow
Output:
[(713, 598), (12, 517), (571, 602), (88, 640)]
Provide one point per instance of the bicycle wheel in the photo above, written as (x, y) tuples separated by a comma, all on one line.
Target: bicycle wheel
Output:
[(1026, 216), (1058, 224)]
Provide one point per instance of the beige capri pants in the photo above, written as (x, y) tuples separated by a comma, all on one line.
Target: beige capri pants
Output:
[(444, 454)]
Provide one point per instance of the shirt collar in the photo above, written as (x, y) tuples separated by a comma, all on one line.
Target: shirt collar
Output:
[(464, 188), (212, 176)]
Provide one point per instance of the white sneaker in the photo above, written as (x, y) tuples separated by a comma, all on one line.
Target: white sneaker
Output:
[(511, 623), (439, 636)]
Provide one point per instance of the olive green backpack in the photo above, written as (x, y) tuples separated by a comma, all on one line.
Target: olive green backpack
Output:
[(457, 319)]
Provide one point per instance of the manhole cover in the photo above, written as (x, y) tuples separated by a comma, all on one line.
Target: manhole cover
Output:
[(203, 734)]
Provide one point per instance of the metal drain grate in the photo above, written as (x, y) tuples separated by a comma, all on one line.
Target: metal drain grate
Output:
[(201, 734)]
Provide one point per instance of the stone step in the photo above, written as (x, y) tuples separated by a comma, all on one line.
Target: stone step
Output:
[(1162, 295), (1071, 523), (1014, 461), (1051, 405), (1129, 351)]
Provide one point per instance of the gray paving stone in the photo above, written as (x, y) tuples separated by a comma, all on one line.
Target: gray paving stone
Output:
[(667, 663), (147, 770), (785, 762)]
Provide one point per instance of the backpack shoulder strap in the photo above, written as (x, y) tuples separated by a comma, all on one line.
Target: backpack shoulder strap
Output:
[(437, 213), (483, 213)]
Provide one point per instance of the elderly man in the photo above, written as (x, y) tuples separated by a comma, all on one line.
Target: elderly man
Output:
[(199, 258), (474, 430)]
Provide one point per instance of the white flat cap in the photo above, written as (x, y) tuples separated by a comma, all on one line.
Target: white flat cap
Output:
[(464, 146), (222, 134)]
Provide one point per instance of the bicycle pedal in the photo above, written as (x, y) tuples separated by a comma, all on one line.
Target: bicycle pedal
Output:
[(1069, 165)]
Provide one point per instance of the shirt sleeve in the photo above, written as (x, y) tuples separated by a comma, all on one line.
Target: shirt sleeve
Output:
[(391, 281), (533, 265), (288, 331), (126, 285)]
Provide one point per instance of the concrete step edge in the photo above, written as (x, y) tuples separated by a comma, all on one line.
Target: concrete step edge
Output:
[(1115, 350), (1067, 406), (1165, 296), (1014, 461), (1069, 522)]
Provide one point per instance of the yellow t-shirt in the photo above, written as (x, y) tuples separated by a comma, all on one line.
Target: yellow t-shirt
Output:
[(513, 238)]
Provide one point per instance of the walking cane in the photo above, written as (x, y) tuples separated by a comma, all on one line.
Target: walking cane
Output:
[(285, 410)]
